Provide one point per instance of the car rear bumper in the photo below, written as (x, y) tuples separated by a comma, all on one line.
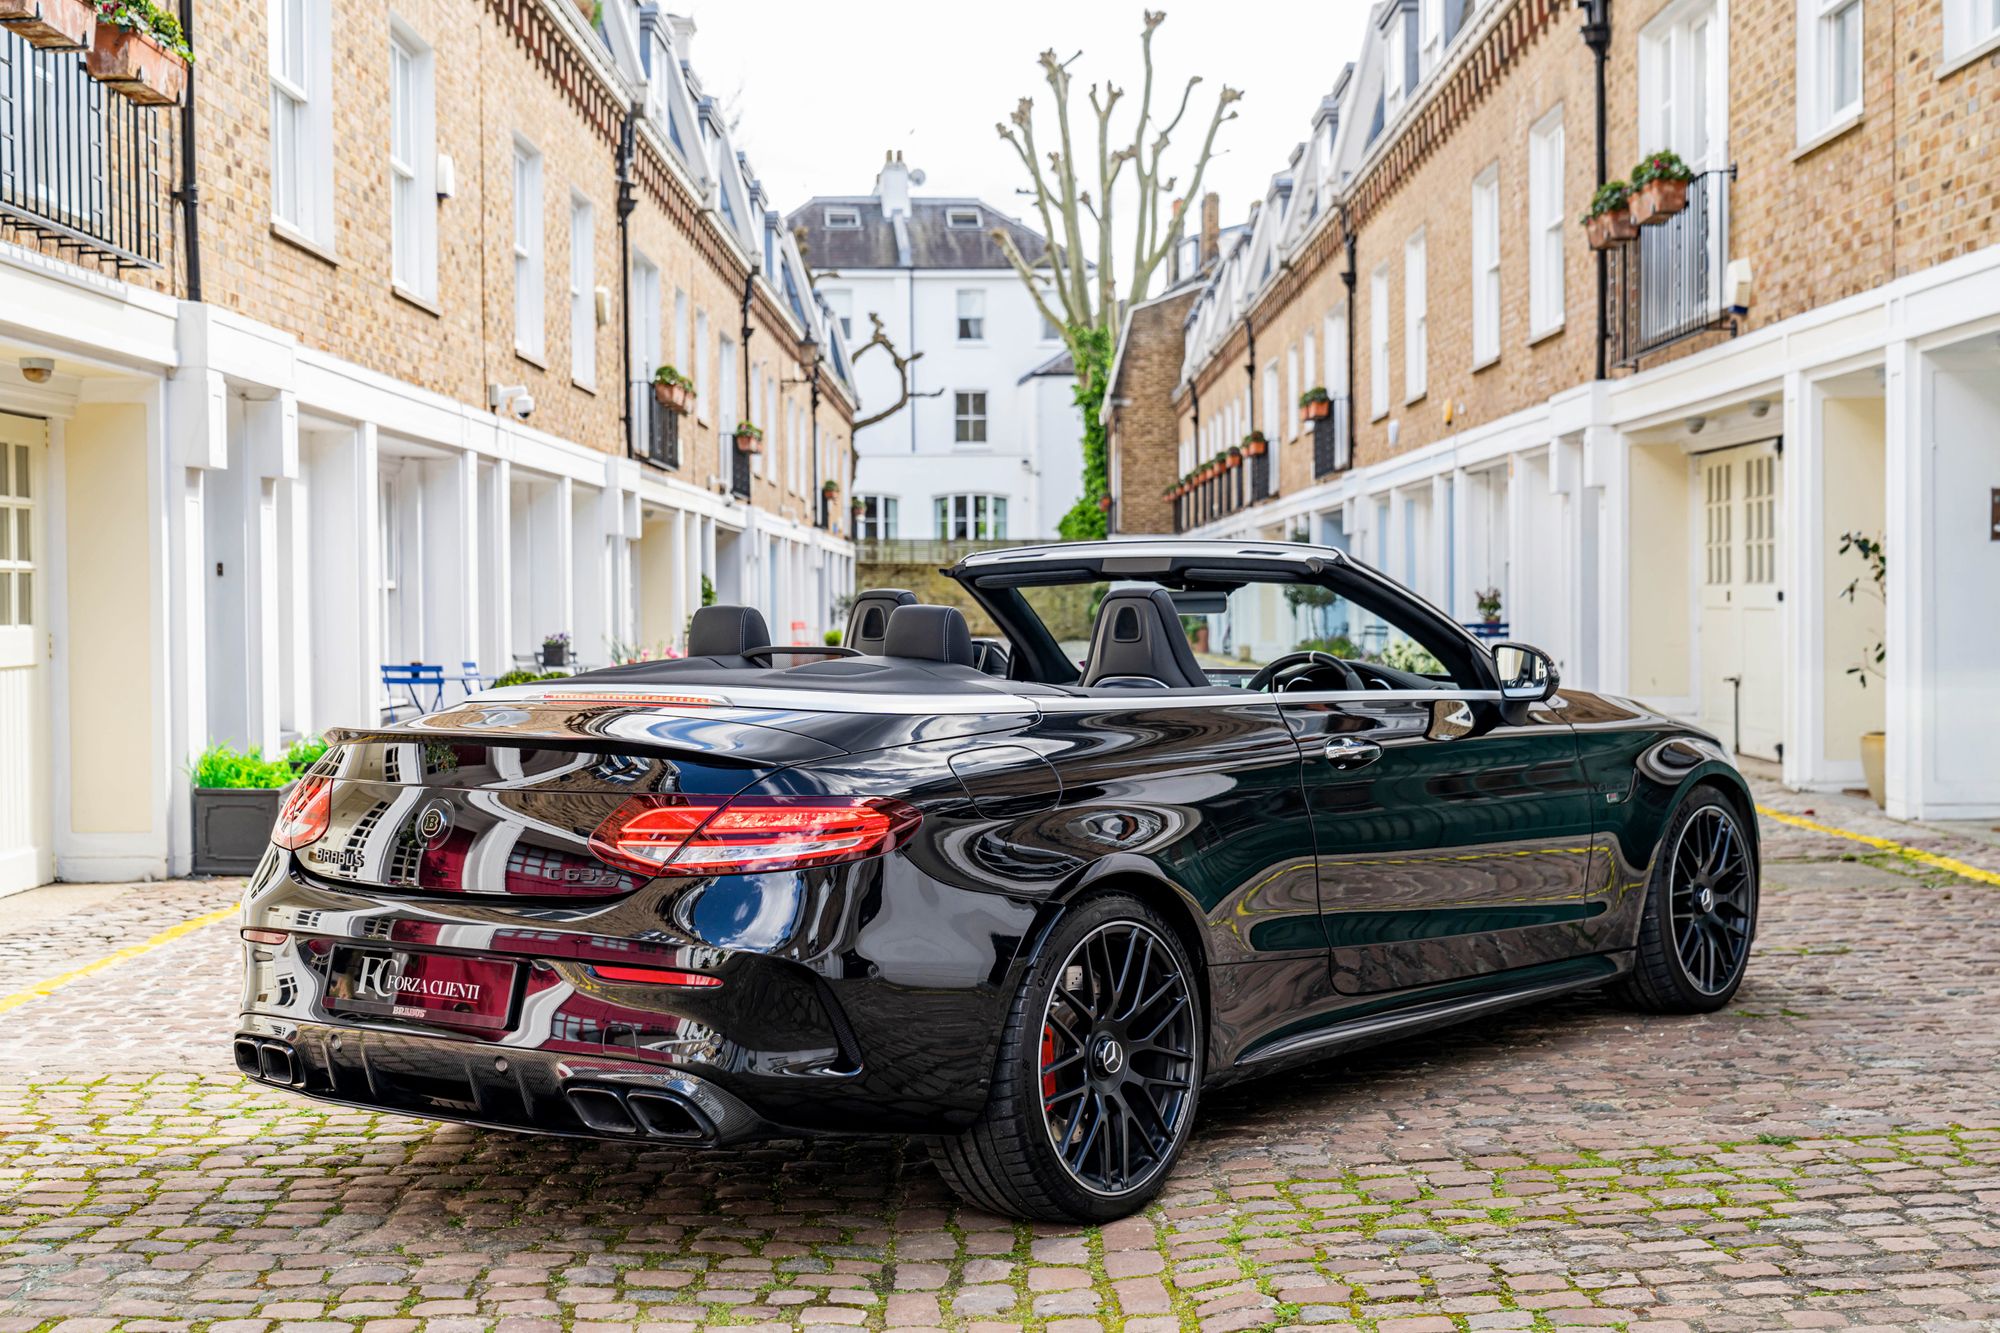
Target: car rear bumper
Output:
[(530, 1091)]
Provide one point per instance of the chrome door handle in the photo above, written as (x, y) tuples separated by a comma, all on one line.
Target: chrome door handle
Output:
[(1348, 752)]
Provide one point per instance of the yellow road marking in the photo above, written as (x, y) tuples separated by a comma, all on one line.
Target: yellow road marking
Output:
[(1931, 859), (43, 989)]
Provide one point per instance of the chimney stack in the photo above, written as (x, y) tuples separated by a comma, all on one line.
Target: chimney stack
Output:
[(892, 184), (1211, 229)]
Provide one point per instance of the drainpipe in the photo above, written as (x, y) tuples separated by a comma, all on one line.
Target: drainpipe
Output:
[(1347, 280), (1191, 501), (1597, 36), (188, 196), (749, 286), (1249, 373), (627, 201)]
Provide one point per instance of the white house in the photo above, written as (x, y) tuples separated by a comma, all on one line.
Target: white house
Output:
[(991, 388)]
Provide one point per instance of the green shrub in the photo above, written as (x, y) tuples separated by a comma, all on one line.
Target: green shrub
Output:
[(528, 678), (305, 752), (225, 766), (833, 637)]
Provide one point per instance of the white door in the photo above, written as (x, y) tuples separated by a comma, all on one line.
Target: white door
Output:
[(25, 776), (1742, 682)]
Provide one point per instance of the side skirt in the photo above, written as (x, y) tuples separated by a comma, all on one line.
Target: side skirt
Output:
[(1416, 1016)]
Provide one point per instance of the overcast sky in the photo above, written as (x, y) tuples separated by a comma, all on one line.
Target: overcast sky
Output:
[(823, 89)]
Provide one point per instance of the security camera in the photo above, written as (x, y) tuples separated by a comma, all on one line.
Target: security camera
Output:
[(513, 397), (523, 404)]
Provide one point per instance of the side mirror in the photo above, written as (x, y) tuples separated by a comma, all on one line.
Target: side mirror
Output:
[(1526, 673)]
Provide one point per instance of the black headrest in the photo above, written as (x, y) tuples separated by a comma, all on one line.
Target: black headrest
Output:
[(930, 633), (1138, 639), (868, 622), (726, 631)]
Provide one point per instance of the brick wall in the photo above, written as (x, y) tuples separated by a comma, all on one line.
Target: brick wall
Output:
[(1145, 440)]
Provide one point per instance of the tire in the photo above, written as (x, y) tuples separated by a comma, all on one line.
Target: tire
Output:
[(1700, 914), (1075, 1052)]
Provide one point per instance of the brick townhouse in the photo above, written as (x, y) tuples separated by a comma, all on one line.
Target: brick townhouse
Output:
[(345, 360), (1651, 456)]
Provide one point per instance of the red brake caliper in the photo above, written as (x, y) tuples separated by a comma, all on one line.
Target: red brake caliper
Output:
[(1048, 1058)]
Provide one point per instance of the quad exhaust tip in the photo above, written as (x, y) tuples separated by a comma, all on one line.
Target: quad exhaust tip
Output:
[(271, 1061), (648, 1114)]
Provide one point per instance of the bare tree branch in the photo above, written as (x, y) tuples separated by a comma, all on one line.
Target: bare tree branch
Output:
[(880, 339)]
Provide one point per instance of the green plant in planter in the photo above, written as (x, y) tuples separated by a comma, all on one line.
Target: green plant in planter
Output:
[(1316, 394), (749, 430), (528, 677), (707, 591), (1665, 165), (1488, 602), (1610, 197), (672, 378), (833, 637), (304, 752), (143, 16), (223, 765)]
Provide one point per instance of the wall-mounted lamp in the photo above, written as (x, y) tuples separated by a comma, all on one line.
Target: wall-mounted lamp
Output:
[(1694, 424), (37, 369)]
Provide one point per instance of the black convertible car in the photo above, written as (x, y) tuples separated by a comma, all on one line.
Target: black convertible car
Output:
[(1199, 811)]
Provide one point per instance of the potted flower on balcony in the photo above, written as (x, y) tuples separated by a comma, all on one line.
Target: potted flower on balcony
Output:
[(139, 51), (1234, 458), (1253, 444), (555, 649), (1659, 187), (749, 438), (1314, 403), (52, 25), (1609, 221), (830, 489), (673, 390), (1488, 602), (857, 506)]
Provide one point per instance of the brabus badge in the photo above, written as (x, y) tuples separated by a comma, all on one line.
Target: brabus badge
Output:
[(433, 822)]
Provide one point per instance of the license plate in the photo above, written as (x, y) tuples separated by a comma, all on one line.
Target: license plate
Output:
[(439, 988)]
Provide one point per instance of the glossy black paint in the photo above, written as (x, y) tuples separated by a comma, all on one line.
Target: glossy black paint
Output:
[(1493, 853)]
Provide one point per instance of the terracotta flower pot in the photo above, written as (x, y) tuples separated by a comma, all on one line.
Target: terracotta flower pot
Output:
[(1233, 461), (1656, 201), (1612, 228), (673, 397), (51, 25), (133, 65), (750, 444), (1313, 411), (1255, 448)]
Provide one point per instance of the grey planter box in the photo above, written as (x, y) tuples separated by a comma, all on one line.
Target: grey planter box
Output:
[(232, 827)]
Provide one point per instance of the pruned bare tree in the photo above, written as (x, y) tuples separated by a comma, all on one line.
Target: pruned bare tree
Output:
[(880, 338), (1073, 289), (1081, 295)]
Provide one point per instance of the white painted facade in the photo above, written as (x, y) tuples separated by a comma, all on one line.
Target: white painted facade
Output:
[(1018, 442)]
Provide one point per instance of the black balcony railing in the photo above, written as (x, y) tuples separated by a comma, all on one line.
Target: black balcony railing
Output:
[(80, 166), (1331, 451), (660, 436), (739, 469), (1666, 286)]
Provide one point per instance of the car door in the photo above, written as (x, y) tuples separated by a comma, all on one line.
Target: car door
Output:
[(1454, 838)]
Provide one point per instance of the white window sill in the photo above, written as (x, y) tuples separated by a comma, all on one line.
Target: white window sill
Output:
[(1380, 414), (1970, 56), (1543, 335), (1417, 397), (422, 303), (1827, 135), (536, 359), (588, 386), (292, 236), (1486, 364)]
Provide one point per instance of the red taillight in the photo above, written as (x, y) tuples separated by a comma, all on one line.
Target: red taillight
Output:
[(259, 936), (303, 818), (655, 976), (712, 835)]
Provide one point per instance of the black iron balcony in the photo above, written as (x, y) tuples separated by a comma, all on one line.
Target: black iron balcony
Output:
[(1331, 447), (81, 167), (660, 429), (1666, 286), (739, 469)]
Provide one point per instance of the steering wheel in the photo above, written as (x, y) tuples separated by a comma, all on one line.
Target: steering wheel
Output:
[(1291, 661)]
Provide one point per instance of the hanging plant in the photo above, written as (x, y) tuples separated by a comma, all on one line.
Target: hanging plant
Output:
[(1315, 403), (673, 390), (139, 51), (1609, 221), (749, 438), (1254, 444), (50, 25)]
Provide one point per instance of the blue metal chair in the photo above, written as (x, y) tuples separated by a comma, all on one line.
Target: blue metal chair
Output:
[(415, 680), (469, 677), (1486, 629)]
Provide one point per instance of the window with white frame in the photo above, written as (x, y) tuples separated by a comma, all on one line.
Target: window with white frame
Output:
[(1395, 63), (841, 302), (302, 119), (681, 362), (968, 416), (1416, 317), (1308, 367), (843, 219), (971, 517), (582, 291), (961, 218), (1378, 341), (971, 315), (1969, 25), (1336, 351), (877, 519), (1288, 407), (1545, 224), (1829, 81), (1682, 98), (1430, 35), (529, 335), (412, 164), (728, 407), (1050, 333), (1486, 265), (17, 537), (1271, 404), (645, 306)]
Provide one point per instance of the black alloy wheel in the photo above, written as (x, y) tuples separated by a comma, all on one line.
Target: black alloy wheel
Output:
[(1117, 1058), (1700, 914), (1098, 1073)]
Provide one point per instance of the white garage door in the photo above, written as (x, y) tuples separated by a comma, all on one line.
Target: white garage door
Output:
[(25, 858), (1742, 680)]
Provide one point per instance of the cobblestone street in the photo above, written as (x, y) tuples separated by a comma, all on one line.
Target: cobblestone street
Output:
[(1825, 1153)]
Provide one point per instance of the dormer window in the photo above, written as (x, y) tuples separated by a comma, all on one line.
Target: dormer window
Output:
[(843, 219), (961, 217)]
